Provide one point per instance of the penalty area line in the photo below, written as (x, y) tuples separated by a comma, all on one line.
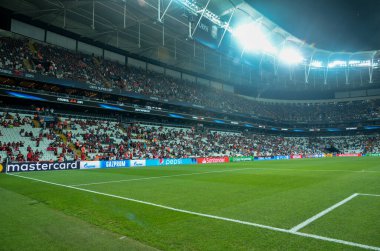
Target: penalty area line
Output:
[(354, 244), (369, 194), (324, 212)]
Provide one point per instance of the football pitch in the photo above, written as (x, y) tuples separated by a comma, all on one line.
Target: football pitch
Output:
[(306, 204)]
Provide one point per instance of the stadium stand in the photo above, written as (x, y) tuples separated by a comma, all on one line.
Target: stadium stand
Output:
[(29, 56), (28, 137)]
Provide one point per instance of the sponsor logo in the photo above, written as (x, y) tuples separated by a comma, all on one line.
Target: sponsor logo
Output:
[(70, 100), (264, 158), (41, 166), (349, 155), (137, 163), (1, 168), (116, 163), (296, 156), (281, 157), (309, 156), (204, 27), (241, 159), (170, 162), (99, 88), (373, 154), (89, 164), (28, 75), (213, 160), (142, 110)]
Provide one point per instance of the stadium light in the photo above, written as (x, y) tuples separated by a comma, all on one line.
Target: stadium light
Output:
[(290, 56), (253, 39), (316, 64), (359, 63), (337, 63)]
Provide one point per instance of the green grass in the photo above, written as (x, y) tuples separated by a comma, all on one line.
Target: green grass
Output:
[(280, 194)]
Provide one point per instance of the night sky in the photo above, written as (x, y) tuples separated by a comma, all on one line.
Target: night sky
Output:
[(337, 25)]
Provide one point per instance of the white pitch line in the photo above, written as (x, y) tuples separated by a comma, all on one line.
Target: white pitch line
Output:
[(349, 243), (368, 194), (222, 171), (324, 212), (158, 177)]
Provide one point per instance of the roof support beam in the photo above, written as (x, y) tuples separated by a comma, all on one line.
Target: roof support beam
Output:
[(200, 18), (163, 35), (226, 27), (308, 68), (139, 39), (161, 17), (64, 18), (371, 67), (93, 15), (125, 15)]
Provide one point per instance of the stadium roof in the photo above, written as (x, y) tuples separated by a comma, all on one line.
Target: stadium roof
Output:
[(161, 31), (343, 25)]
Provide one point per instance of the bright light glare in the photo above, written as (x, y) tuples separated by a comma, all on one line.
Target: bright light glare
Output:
[(252, 38), (337, 63), (360, 63), (290, 56), (316, 64)]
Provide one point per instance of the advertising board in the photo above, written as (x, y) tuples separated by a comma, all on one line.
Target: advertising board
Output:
[(264, 158), (41, 166), (373, 154), (296, 156), (89, 164), (349, 155), (310, 156), (170, 162), (114, 163), (213, 160), (241, 159), (281, 157), (137, 162)]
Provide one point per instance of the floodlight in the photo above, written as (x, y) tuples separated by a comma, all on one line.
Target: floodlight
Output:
[(359, 63), (316, 64), (337, 63), (253, 39), (290, 56)]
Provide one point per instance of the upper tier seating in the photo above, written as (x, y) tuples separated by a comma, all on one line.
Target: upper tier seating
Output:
[(47, 60)]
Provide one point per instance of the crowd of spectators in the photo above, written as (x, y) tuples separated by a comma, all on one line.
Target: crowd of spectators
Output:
[(22, 141), (24, 55), (91, 139), (111, 140)]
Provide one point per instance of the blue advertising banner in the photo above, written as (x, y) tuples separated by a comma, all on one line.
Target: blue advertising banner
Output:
[(170, 162), (264, 158), (152, 162), (281, 157), (313, 156), (135, 163), (114, 163), (104, 164)]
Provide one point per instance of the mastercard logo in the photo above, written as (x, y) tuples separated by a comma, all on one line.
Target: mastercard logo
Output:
[(1, 168)]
